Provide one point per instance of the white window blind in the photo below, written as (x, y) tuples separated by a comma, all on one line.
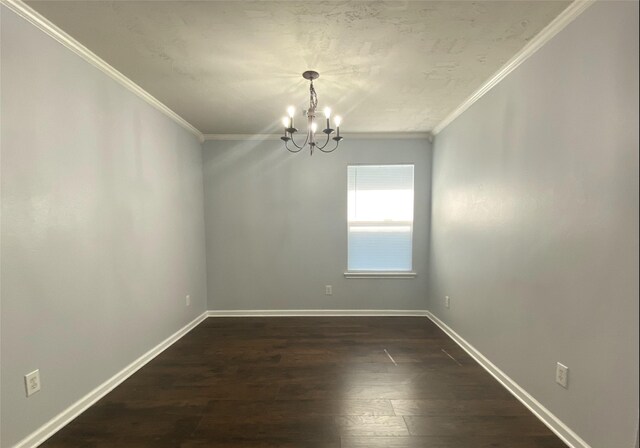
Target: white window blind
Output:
[(380, 217)]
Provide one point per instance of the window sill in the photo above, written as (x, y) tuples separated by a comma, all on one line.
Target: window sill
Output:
[(374, 274)]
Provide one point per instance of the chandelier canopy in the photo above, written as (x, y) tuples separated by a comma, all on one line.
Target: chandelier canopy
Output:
[(312, 125)]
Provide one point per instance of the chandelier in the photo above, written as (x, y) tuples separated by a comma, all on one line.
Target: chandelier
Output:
[(312, 125)]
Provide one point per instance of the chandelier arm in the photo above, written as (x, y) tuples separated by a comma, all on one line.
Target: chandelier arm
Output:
[(330, 150), (303, 145), (325, 144), (286, 145)]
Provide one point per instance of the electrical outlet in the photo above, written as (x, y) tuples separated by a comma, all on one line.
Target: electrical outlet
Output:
[(188, 300), (328, 290), (32, 382), (562, 375), (447, 302)]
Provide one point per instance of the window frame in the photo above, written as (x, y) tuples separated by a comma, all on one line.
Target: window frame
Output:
[(362, 274)]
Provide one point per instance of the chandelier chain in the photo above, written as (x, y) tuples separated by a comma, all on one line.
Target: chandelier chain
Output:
[(314, 97)]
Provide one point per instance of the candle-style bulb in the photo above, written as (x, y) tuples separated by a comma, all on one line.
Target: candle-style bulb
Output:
[(327, 112), (337, 120), (291, 111), (285, 122)]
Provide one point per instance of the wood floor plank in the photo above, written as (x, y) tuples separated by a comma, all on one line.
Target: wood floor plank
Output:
[(452, 442), (492, 425), (371, 426), (280, 409), (309, 382), (456, 408)]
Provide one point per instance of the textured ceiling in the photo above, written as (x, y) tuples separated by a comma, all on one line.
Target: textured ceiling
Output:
[(232, 67)]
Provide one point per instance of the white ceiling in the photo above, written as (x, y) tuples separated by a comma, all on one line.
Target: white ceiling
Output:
[(232, 67)]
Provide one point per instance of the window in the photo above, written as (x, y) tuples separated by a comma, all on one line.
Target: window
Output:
[(380, 217)]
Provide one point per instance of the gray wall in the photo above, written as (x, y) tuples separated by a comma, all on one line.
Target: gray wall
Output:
[(277, 230), (535, 224), (102, 227)]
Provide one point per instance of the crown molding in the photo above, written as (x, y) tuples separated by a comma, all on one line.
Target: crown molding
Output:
[(43, 24), (226, 137), (539, 40), (350, 135), (560, 22)]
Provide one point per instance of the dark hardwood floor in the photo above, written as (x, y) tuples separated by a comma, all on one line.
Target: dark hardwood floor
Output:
[(307, 382)]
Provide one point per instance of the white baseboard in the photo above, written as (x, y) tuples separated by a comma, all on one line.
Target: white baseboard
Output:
[(56, 423), (565, 433), (317, 313)]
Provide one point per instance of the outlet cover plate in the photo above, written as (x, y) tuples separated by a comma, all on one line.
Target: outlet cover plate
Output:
[(32, 382), (562, 375)]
